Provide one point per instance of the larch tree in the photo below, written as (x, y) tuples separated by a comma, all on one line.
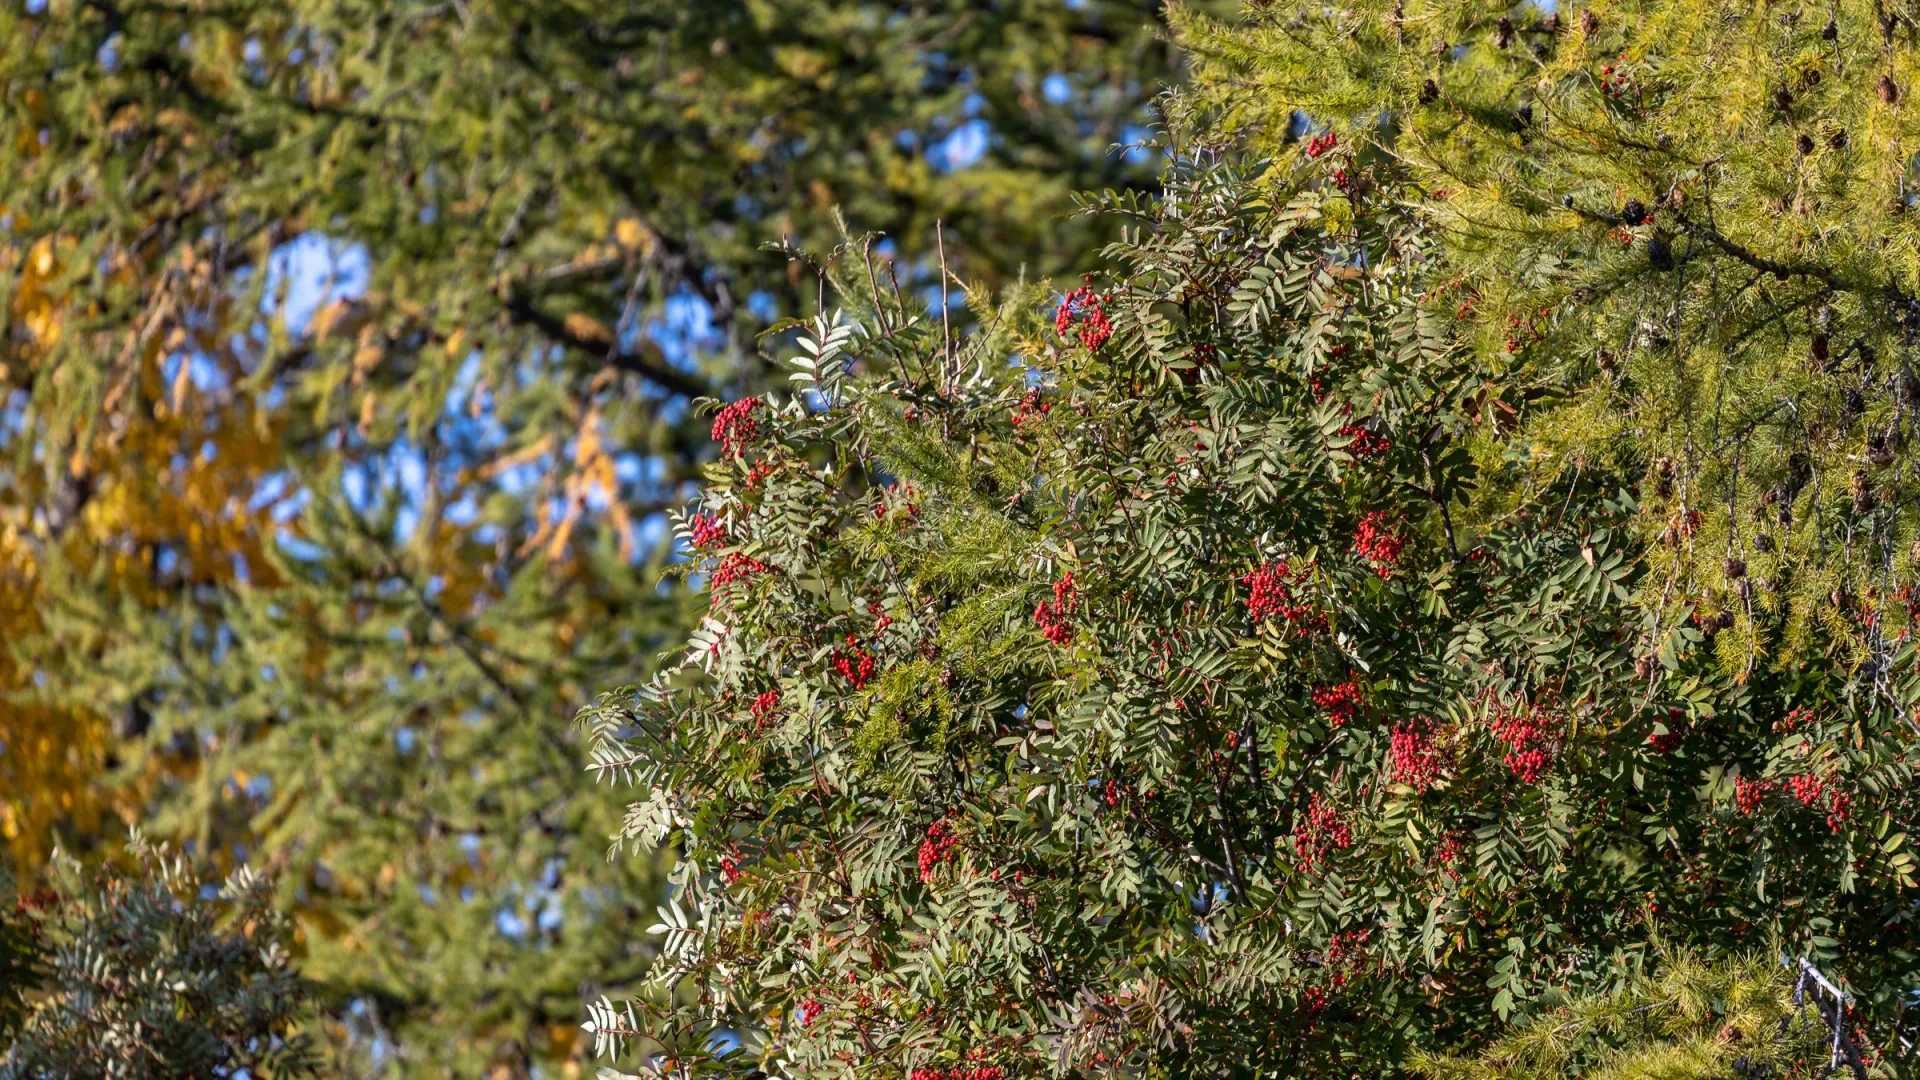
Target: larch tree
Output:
[(1688, 225), (310, 572), (1745, 1016)]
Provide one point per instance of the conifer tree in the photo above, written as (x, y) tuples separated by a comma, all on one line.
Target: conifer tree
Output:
[(1171, 702), (1747, 1016), (318, 588), (1687, 224)]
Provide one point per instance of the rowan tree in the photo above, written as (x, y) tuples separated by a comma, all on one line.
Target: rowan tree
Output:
[(155, 974), (1215, 690)]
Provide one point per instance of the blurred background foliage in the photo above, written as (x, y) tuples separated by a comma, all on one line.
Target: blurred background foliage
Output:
[(348, 359)]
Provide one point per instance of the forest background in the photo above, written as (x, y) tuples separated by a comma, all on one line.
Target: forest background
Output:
[(349, 358)]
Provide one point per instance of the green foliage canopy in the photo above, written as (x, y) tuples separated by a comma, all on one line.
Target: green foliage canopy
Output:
[(1168, 702)]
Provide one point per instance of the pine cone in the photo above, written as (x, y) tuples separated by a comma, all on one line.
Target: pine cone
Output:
[(1503, 32), (1660, 253), (1429, 92), (1889, 90), (1880, 447), (1634, 213), (1804, 143), (1831, 31), (1734, 568), (1589, 22), (1782, 100), (1863, 498)]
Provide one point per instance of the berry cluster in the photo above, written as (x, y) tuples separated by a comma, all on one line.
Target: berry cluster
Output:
[(1376, 542), (1525, 330), (855, 665), (937, 848), (1793, 721), (1365, 443), (1617, 83), (707, 531), (1811, 790), (1340, 701), (1320, 144), (1448, 853), (1347, 949), (959, 1072), (901, 511), (1417, 757), (1529, 733), (1806, 787), (1342, 954), (1270, 592), (735, 427), (737, 566), (809, 1011), (1750, 795), (1839, 804), (757, 473), (764, 706), (1031, 406), (1467, 306), (1320, 832), (1667, 743), (1052, 614), (1082, 308)]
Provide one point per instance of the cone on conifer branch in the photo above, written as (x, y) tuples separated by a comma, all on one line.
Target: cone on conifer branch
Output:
[(1660, 252)]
